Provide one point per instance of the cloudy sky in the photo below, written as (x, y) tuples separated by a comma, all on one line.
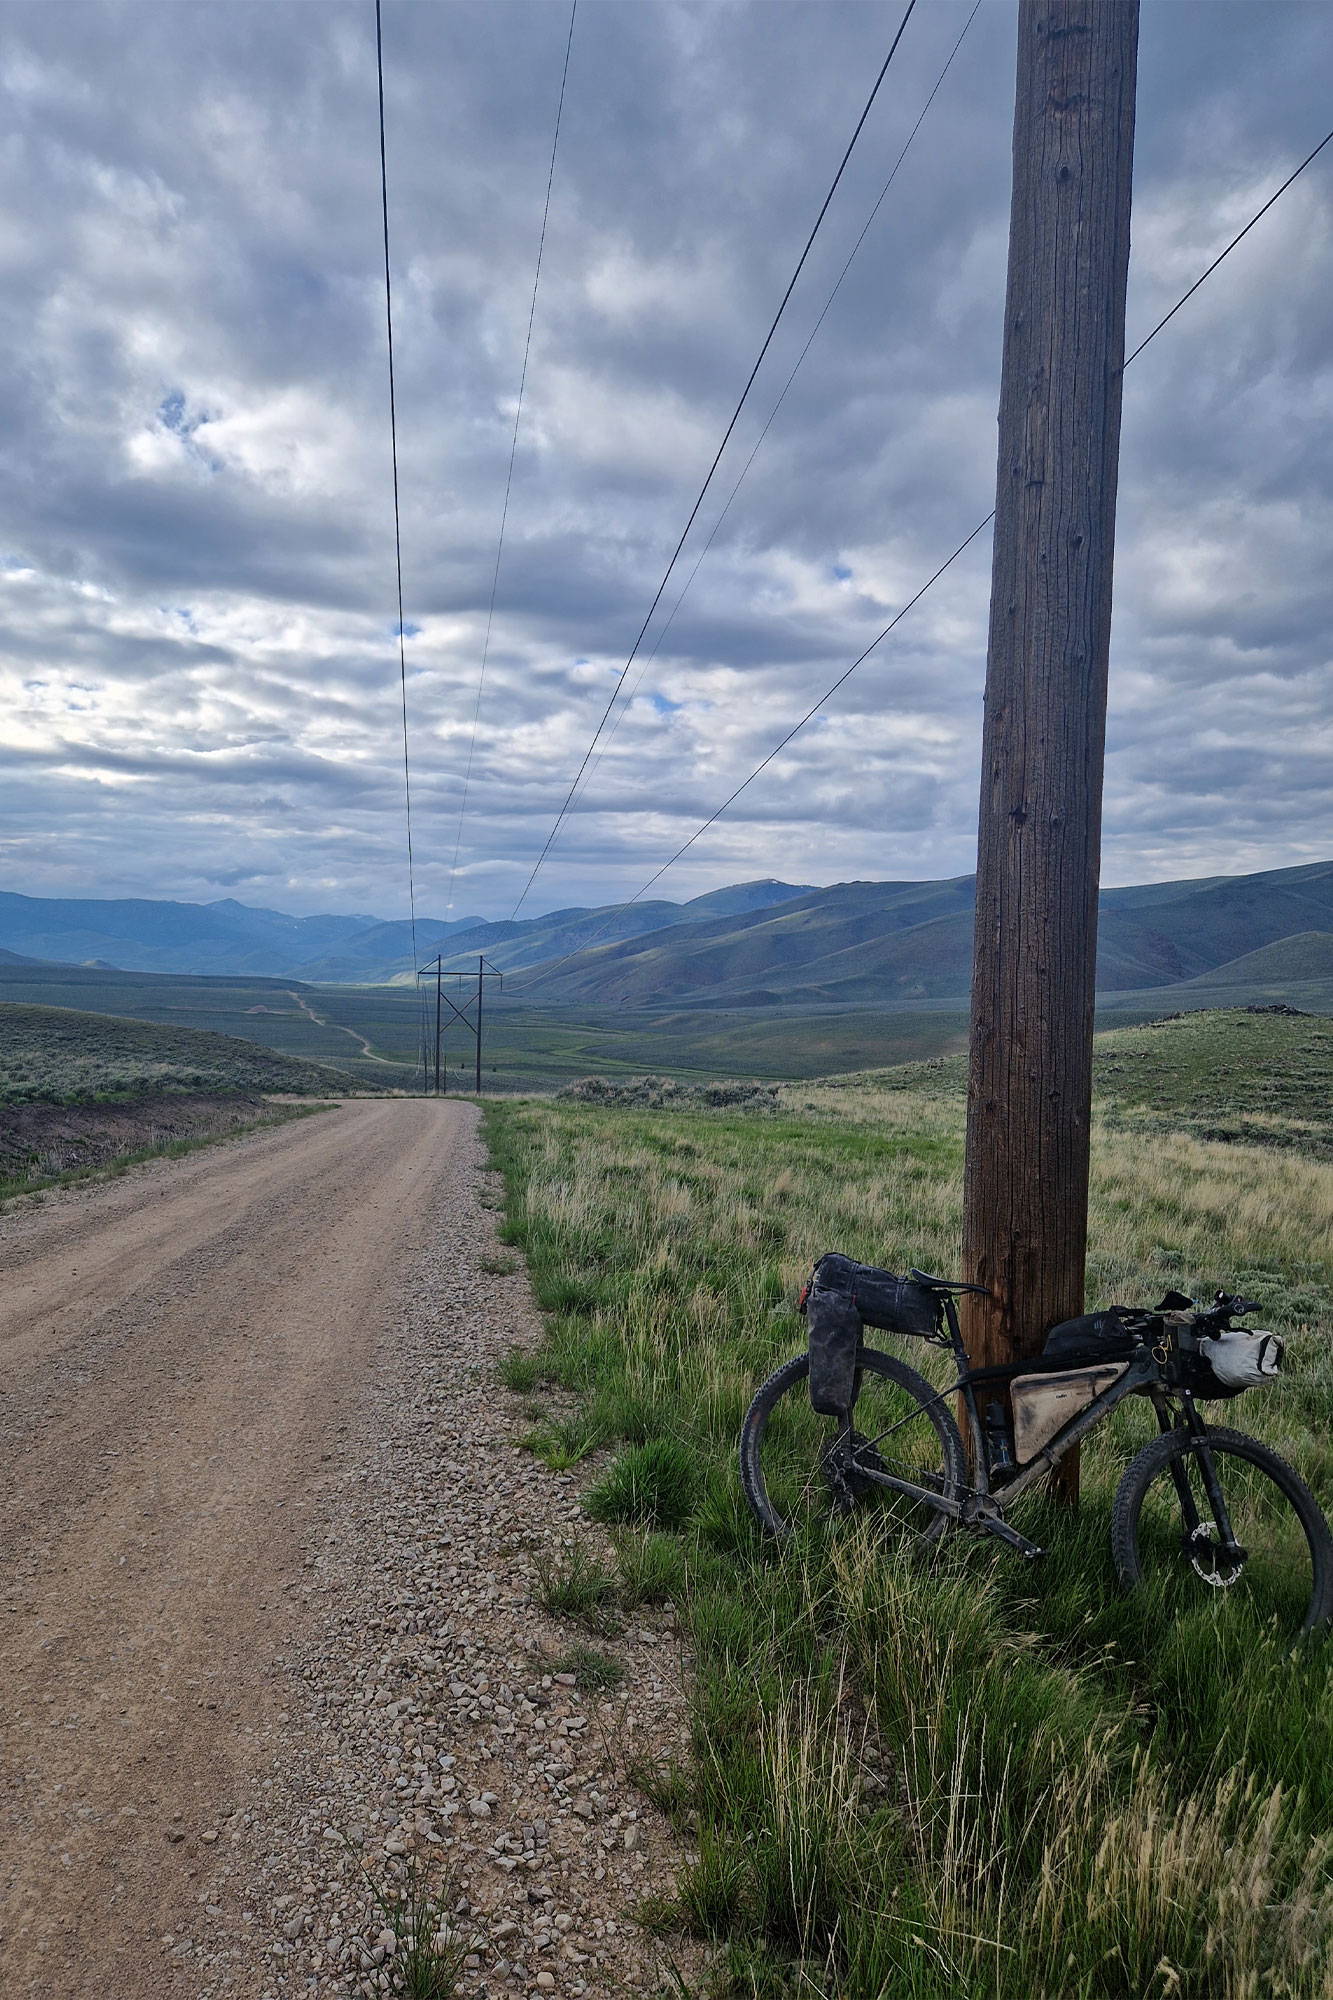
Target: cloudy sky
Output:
[(198, 631)]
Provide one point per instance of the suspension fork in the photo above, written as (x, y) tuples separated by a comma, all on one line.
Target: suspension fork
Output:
[(1166, 1423), (1198, 1430)]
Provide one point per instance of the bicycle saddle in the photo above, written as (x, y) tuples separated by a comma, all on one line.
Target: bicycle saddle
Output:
[(946, 1284)]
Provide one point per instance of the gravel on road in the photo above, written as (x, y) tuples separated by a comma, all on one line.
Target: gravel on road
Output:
[(269, 1646), (430, 1743)]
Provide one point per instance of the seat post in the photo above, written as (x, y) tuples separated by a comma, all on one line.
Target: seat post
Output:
[(955, 1334)]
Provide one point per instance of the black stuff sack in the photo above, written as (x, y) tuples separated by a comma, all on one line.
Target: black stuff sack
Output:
[(881, 1298), (833, 1330), (841, 1299), (1094, 1338)]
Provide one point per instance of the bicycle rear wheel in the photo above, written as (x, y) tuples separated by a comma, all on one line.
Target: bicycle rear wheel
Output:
[(1164, 1535), (797, 1466)]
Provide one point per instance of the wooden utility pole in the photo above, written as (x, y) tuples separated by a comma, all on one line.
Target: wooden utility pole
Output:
[(1030, 1082)]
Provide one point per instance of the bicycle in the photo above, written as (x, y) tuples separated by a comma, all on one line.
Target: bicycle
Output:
[(1201, 1511)]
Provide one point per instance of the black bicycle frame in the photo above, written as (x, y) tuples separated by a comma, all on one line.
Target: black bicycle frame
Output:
[(1142, 1372)]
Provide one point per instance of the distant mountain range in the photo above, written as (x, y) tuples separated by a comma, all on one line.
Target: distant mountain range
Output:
[(909, 944), (231, 938), (894, 945)]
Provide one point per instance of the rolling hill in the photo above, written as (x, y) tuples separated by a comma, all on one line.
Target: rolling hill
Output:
[(894, 944), (1256, 1078), (144, 936), (229, 938), (58, 1055)]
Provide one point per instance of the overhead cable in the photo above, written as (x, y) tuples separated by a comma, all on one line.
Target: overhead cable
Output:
[(646, 661), (393, 450), (717, 459), (545, 971), (1256, 217), (509, 477)]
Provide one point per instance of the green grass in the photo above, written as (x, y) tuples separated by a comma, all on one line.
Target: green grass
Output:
[(582, 1589), (654, 1484), (963, 1777), (592, 1672), (429, 1950), (54, 1055), (526, 1048), (1265, 1079)]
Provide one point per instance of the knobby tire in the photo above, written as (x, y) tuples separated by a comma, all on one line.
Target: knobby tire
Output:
[(950, 1470), (1139, 1563)]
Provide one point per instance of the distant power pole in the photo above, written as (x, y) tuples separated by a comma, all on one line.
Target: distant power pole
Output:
[(437, 1027), (1030, 1082), (441, 1075)]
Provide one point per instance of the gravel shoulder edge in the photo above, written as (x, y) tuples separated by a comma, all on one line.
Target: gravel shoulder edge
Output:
[(428, 1734)]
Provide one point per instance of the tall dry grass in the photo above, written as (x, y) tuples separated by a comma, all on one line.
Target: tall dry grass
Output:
[(961, 1777)]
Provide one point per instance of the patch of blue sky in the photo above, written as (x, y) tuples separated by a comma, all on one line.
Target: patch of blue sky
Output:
[(842, 573), (660, 703)]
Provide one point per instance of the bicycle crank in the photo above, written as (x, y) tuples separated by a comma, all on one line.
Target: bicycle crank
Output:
[(983, 1513)]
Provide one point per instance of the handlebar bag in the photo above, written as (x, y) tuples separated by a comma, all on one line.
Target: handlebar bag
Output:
[(1229, 1362), (1095, 1338)]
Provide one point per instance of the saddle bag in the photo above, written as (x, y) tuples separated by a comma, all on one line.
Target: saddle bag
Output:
[(840, 1300)]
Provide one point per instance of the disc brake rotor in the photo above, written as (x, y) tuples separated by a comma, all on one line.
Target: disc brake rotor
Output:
[(1204, 1548)]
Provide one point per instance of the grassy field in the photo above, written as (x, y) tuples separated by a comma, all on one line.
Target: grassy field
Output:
[(963, 1777), (375, 1032), (1266, 1079), (367, 1029), (54, 1055)]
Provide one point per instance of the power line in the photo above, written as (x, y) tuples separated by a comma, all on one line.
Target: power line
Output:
[(509, 477), (393, 447), (847, 672), (713, 532), (726, 437), (1257, 217)]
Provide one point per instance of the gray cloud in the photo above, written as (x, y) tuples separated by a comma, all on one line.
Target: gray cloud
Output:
[(197, 626)]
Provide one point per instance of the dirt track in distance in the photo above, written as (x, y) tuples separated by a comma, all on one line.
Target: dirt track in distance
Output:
[(180, 1353)]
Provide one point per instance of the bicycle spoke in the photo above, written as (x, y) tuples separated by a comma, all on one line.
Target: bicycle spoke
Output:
[(1264, 1565), (813, 1470)]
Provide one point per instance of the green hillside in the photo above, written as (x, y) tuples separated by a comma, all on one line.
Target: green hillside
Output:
[(909, 944), (54, 1055), (1225, 1074)]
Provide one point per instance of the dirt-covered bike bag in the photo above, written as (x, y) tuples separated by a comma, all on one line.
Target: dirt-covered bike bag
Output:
[(840, 1299)]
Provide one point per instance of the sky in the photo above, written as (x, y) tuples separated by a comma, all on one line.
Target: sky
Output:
[(198, 622)]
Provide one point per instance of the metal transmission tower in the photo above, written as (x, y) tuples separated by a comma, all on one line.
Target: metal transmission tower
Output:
[(1030, 1084), (472, 1022)]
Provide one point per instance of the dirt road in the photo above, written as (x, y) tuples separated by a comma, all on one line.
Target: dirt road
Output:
[(180, 1352)]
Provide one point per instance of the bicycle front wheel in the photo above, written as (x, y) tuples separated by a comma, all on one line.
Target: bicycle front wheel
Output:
[(1165, 1534), (797, 1466)]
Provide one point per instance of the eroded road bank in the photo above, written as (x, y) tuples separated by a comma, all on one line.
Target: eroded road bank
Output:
[(268, 1556)]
